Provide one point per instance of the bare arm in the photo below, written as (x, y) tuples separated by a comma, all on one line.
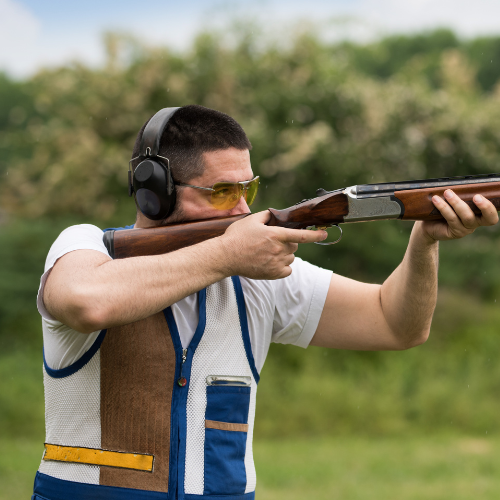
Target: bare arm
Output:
[(88, 291), (398, 314)]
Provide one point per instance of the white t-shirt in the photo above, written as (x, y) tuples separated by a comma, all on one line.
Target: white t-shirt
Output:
[(286, 311)]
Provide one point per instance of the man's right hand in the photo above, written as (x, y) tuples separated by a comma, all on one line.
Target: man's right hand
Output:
[(257, 251)]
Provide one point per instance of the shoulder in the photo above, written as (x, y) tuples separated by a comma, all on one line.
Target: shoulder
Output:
[(80, 232), (79, 237), (259, 294)]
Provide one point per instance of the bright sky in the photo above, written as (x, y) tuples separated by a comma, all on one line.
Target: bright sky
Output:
[(35, 33)]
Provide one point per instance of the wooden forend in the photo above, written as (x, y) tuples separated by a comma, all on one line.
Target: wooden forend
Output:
[(418, 202)]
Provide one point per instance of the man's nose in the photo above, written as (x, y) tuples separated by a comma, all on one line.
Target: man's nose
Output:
[(240, 208)]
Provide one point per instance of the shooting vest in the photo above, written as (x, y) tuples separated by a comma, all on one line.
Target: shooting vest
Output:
[(137, 417)]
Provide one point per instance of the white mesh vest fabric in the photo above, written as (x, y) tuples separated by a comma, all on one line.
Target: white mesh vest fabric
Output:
[(220, 352), (73, 418)]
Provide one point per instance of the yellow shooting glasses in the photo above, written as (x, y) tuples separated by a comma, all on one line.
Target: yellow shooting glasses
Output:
[(225, 195)]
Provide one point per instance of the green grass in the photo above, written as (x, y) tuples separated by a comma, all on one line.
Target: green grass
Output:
[(404, 468), (19, 460), (21, 422), (430, 467)]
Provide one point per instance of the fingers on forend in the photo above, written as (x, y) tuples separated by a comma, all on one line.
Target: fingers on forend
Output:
[(489, 213), (446, 210)]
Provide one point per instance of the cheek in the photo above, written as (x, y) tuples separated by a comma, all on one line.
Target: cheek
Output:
[(200, 208)]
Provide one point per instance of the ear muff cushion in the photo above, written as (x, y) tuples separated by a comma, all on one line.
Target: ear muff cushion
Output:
[(148, 202)]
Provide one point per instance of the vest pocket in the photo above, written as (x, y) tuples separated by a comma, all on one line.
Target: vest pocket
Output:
[(226, 425)]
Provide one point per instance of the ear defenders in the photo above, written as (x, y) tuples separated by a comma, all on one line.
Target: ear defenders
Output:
[(152, 180)]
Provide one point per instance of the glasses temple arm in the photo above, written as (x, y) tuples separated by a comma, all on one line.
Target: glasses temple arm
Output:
[(191, 186)]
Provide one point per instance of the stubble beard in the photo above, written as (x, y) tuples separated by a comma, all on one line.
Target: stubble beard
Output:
[(178, 215)]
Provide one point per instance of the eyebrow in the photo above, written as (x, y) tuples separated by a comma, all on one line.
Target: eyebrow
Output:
[(232, 182)]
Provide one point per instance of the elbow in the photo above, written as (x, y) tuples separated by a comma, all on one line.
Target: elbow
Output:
[(414, 339), (86, 314), (89, 322)]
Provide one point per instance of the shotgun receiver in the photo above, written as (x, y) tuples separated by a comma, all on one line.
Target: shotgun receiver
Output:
[(409, 200)]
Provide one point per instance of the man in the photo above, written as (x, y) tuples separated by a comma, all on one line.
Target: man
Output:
[(151, 364)]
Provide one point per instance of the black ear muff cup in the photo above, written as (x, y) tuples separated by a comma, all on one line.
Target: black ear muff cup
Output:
[(152, 180), (154, 189), (144, 171)]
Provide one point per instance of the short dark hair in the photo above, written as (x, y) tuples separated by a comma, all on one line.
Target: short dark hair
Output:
[(192, 131)]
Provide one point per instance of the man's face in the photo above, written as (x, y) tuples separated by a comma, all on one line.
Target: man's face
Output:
[(226, 165)]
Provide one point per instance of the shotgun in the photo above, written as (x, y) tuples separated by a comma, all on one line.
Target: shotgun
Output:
[(410, 200)]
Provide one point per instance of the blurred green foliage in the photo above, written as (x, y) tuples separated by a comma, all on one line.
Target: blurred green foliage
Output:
[(318, 115)]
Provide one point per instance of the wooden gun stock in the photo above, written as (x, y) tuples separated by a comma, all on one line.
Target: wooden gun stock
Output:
[(410, 200), (164, 239)]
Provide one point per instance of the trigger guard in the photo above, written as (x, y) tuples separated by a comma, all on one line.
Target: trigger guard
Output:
[(331, 242)]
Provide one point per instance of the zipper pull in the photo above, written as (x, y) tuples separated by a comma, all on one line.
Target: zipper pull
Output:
[(181, 381)]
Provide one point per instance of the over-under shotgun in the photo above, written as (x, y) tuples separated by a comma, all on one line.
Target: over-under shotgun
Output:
[(409, 200)]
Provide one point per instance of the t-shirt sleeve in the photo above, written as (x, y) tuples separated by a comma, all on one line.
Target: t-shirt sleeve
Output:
[(300, 299), (81, 237)]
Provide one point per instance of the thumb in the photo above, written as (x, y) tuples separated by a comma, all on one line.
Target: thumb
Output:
[(262, 217)]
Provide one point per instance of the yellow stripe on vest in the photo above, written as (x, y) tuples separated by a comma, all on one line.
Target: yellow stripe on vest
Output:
[(94, 456)]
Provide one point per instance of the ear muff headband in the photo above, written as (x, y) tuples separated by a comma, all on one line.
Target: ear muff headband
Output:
[(154, 129), (152, 180)]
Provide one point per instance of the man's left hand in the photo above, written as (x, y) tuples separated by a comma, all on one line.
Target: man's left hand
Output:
[(460, 219)]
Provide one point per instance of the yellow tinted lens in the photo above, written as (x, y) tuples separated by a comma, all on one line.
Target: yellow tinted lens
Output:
[(225, 195), (251, 191)]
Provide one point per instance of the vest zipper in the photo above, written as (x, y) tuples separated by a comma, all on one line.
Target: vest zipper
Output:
[(181, 381)]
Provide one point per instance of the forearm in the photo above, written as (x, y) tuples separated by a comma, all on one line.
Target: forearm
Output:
[(117, 292), (88, 291), (398, 314), (408, 296)]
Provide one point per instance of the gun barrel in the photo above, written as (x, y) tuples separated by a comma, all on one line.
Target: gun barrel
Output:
[(389, 188)]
